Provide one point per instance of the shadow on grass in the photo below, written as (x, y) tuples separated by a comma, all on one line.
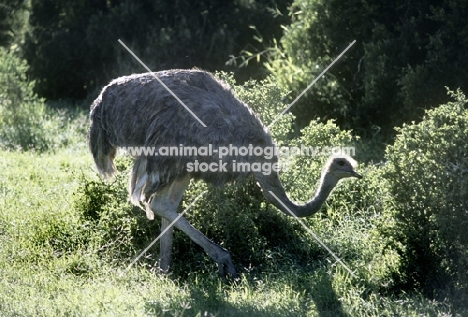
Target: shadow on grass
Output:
[(214, 303), (291, 294), (324, 296)]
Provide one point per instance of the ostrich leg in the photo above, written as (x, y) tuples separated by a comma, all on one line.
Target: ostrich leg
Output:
[(165, 249), (169, 197), (216, 252), (165, 204)]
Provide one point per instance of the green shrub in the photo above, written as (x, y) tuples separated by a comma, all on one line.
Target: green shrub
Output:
[(267, 100), (21, 111), (397, 68), (304, 171), (116, 228), (29, 123), (427, 167), (12, 20)]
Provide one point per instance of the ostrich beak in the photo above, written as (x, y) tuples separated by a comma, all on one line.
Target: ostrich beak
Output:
[(356, 174)]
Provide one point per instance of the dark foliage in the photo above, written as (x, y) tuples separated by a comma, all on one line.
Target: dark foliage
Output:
[(11, 20), (72, 46), (405, 53)]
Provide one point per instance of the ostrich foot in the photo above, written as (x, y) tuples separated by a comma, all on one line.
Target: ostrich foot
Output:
[(223, 258), (225, 267)]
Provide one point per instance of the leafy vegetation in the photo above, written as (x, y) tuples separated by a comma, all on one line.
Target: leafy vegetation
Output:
[(426, 171), (405, 53), (22, 112), (164, 34), (12, 22), (26, 121)]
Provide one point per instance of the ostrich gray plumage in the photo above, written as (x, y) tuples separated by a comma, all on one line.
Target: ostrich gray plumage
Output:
[(138, 111)]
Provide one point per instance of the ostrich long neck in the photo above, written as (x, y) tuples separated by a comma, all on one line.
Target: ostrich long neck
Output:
[(272, 183)]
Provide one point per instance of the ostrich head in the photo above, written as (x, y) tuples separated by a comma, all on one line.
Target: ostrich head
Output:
[(338, 167)]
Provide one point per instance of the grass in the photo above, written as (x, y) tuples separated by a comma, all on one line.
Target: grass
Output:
[(48, 269)]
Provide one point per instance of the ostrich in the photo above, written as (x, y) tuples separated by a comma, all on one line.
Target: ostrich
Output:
[(138, 111)]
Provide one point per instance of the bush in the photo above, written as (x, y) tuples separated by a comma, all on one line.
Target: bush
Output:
[(21, 111), (405, 52), (267, 100), (116, 229), (305, 170), (427, 168), (26, 121)]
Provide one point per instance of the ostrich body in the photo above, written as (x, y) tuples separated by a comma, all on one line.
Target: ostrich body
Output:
[(138, 111)]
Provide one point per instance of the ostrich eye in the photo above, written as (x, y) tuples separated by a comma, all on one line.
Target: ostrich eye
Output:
[(341, 163)]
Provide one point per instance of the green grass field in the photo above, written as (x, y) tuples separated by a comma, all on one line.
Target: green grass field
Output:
[(49, 268)]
